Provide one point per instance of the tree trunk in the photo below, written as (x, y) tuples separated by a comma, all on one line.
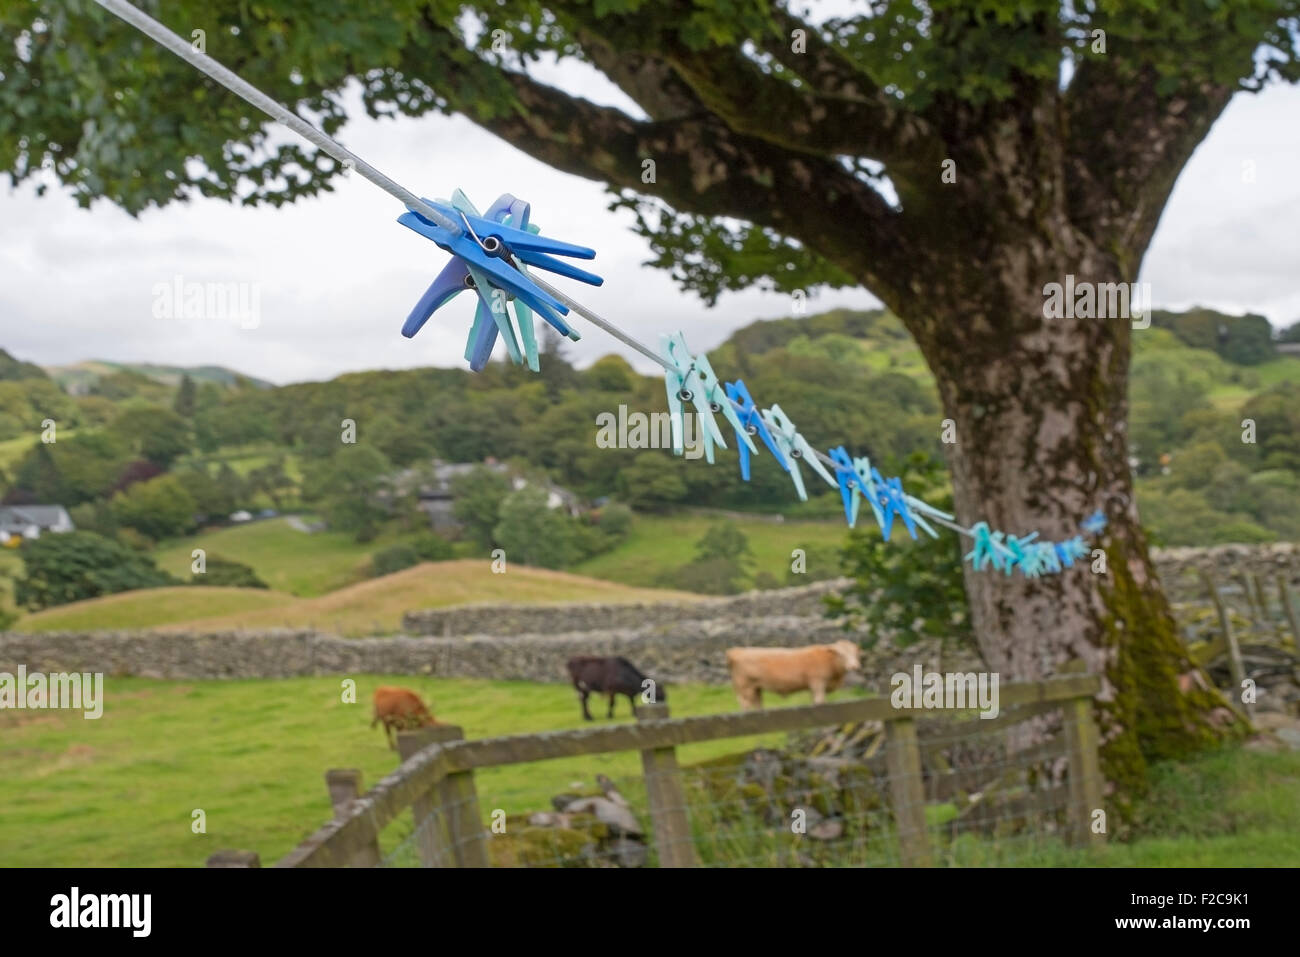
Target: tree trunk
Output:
[(1040, 406)]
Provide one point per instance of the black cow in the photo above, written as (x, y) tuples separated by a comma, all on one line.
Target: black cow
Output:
[(611, 676)]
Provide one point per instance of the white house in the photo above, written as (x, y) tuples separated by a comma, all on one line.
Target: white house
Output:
[(30, 520)]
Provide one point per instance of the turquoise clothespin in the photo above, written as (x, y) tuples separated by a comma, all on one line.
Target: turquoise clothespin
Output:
[(690, 378), (988, 548), (1017, 548), (794, 447)]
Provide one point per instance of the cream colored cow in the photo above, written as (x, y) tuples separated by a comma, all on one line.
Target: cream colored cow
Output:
[(817, 668)]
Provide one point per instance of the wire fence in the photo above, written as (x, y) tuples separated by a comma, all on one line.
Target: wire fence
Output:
[(945, 789)]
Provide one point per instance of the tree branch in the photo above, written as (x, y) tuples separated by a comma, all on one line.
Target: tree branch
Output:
[(1120, 176), (702, 167)]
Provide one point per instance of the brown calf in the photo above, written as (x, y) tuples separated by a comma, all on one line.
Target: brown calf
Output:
[(401, 709)]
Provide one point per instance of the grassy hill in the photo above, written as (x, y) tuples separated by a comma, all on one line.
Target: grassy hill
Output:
[(287, 560), (150, 607), (78, 376), (657, 544), (370, 607)]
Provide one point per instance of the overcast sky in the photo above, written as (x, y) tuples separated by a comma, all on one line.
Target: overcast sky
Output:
[(338, 275)]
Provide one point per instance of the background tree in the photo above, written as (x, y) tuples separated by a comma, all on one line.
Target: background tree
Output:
[(789, 154), (349, 489), (186, 401), (533, 534), (61, 568), (159, 508), (155, 434), (476, 502)]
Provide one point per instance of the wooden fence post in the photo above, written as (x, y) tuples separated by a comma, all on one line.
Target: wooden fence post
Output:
[(1081, 743), (1255, 615), (430, 818), (903, 761), (1284, 592), (1261, 600), (663, 786), (345, 786), (464, 820), (1235, 666)]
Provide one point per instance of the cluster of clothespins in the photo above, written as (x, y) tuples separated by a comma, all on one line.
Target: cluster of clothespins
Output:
[(491, 256)]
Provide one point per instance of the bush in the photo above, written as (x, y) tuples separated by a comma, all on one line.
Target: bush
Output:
[(227, 573), (910, 589), (707, 576), (159, 508), (432, 548), (721, 563), (533, 534), (76, 565), (393, 559)]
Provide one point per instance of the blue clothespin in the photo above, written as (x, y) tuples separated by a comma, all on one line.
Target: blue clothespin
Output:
[(490, 256), (1071, 550), (1095, 523), (690, 378), (794, 447), (894, 503), (850, 488), (753, 424), (1079, 547)]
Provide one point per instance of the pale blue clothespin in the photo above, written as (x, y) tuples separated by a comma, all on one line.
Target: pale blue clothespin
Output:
[(690, 378), (867, 487), (1095, 523), (794, 447), (753, 424), (1032, 562), (1049, 559)]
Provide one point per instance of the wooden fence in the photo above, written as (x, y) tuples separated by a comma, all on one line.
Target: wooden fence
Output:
[(436, 778)]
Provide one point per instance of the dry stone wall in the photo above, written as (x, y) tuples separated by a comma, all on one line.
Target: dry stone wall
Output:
[(675, 642)]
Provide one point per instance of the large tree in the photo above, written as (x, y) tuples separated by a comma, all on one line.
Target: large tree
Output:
[(789, 152)]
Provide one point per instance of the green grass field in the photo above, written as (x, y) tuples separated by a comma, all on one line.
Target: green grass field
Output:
[(657, 544), (251, 754), (11, 450), (287, 560), (120, 790)]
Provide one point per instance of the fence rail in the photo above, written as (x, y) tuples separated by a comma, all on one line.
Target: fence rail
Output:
[(436, 778)]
